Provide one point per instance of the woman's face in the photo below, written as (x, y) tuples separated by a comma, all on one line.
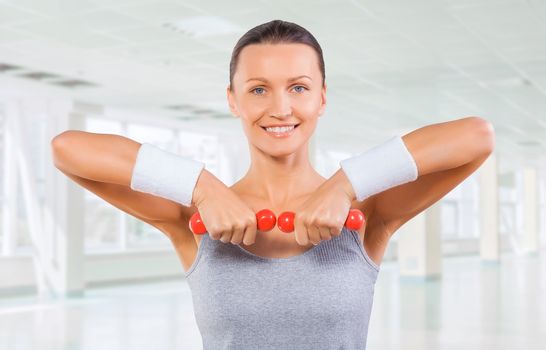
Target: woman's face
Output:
[(265, 94)]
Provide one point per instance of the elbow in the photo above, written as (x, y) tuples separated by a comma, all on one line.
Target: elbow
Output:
[(485, 134), (61, 138), (58, 144)]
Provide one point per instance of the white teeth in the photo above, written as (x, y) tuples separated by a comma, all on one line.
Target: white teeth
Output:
[(280, 129)]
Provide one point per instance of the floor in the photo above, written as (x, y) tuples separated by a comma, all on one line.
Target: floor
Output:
[(473, 306)]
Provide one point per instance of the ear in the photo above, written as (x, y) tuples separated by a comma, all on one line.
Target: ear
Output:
[(323, 100), (231, 103)]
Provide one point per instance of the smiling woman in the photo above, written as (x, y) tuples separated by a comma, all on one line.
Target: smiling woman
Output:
[(277, 89)]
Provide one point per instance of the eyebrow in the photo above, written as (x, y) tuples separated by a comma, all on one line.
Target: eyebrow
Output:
[(289, 79)]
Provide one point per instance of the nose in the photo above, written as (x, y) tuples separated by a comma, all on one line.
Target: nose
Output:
[(281, 106)]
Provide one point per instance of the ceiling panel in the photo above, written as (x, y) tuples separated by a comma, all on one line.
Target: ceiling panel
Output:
[(158, 12), (69, 31), (45, 8), (9, 36), (144, 34), (10, 14), (105, 20)]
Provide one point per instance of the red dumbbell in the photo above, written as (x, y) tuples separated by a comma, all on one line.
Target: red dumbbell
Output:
[(354, 221), (265, 218)]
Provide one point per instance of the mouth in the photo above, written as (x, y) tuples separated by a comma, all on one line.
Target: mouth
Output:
[(280, 132)]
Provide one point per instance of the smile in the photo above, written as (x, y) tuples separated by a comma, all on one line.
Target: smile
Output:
[(280, 132)]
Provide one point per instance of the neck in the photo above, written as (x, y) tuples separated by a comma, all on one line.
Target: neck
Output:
[(279, 180)]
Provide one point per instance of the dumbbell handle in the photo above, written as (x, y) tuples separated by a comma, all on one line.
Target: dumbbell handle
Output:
[(266, 221)]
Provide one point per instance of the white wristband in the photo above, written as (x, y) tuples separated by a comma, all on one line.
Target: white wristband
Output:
[(384, 166), (165, 174)]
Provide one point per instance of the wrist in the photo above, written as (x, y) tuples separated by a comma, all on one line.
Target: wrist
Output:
[(382, 167), (165, 174), (203, 183), (343, 181)]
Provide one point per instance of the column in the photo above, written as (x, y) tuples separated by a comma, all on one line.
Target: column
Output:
[(9, 210), (530, 211), (66, 201), (419, 246), (489, 211)]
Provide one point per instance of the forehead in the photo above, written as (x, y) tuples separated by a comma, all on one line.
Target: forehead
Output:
[(268, 60)]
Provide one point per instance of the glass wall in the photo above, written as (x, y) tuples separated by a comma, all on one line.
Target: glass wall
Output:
[(33, 134), (460, 211)]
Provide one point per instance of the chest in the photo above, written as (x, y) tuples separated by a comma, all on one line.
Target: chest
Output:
[(331, 285)]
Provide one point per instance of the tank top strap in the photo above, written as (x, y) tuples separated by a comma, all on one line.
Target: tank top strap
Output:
[(344, 248), (204, 245)]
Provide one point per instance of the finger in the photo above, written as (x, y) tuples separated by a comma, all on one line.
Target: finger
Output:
[(300, 231), (249, 235), (314, 234), (335, 231), (214, 232), (324, 232), (226, 236), (237, 236)]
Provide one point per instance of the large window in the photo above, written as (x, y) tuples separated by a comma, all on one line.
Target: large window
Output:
[(32, 128), (450, 218), (200, 147)]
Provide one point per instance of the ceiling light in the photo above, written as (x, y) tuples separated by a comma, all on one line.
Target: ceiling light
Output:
[(510, 82), (202, 111), (529, 143), (180, 107), (221, 115), (73, 83), (39, 75), (203, 26), (4, 67)]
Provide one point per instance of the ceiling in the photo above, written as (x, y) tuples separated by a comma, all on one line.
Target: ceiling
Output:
[(391, 66)]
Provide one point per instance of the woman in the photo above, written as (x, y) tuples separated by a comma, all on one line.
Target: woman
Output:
[(275, 290)]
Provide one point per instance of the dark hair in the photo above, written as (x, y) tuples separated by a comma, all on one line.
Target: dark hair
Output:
[(275, 32)]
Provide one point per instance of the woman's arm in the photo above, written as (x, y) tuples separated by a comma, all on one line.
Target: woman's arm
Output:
[(99, 157), (445, 154), (103, 164)]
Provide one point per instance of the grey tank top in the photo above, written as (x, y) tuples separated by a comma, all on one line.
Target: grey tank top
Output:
[(321, 299)]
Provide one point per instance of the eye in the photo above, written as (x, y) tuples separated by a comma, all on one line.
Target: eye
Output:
[(255, 90), (301, 87)]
